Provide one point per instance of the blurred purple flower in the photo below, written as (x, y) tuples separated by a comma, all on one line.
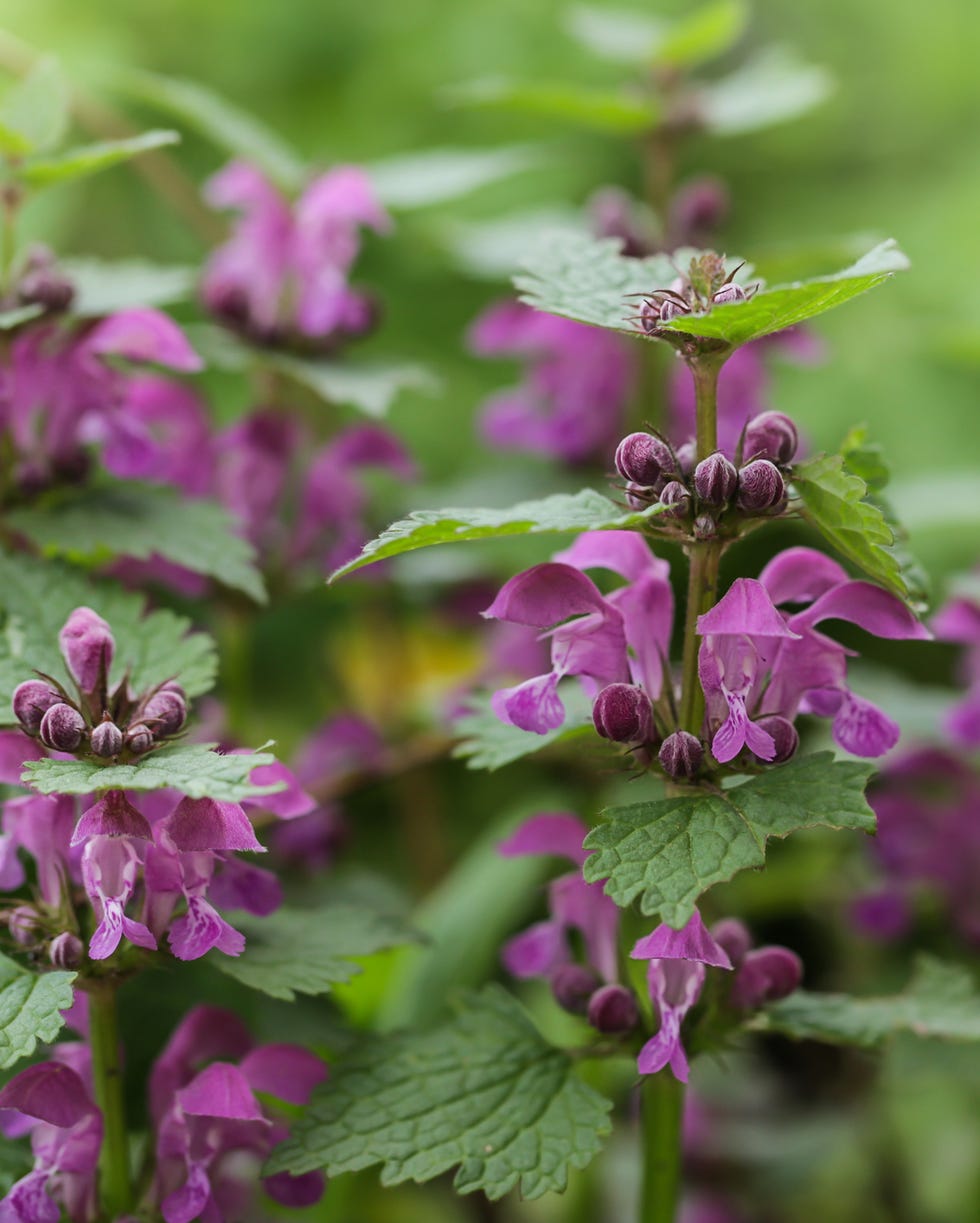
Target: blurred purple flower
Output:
[(959, 621)]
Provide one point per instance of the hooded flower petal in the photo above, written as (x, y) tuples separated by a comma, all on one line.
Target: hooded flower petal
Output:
[(546, 595), (144, 335), (287, 1072), (205, 824), (801, 575), (536, 951), (113, 815), (692, 942), (745, 608), (559, 833)]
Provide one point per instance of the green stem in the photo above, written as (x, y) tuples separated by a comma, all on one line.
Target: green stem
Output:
[(702, 589), (114, 1178), (662, 1103), (705, 370)]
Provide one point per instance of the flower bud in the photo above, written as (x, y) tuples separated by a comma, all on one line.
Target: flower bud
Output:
[(766, 975), (681, 754), (66, 951), (87, 647), (642, 458), (733, 937), (770, 435), (638, 496), (686, 456), (705, 527), (45, 287), (672, 309), (783, 734), (729, 293), (613, 1010), (106, 739), (166, 712), (676, 497), (715, 479), (23, 925), (623, 713), (573, 986), (139, 738), (31, 701), (760, 486), (62, 728)]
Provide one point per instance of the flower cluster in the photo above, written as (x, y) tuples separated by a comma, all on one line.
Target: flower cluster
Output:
[(761, 664), (707, 284), (282, 277), (212, 1123), (677, 958)]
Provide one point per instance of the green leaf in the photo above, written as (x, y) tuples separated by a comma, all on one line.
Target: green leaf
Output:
[(37, 596), (940, 1001), (488, 743), (834, 501), (30, 1009), (434, 176), (17, 315), (670, 851), (34, 111), (773, 309), (231, 128), (371, 386), (195, 769), (774, 87), (583, 511), (603, 110), (307, 951), (90, 158), (497, 248), (104, 286), (625, 36), (708, 32), (93, 524), (865, 459), (484, 1092)]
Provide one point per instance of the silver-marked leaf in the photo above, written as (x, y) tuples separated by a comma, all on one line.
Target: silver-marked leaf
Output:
[(195, 769), (605, 110), (90, 159), (773, 87), (307, 951), (583, 511), (940, 1001), (669, 852), (372, 386), (94, 524), (433, 176), (483, 1093), (36, 598), (104, 286), (30, 1009)]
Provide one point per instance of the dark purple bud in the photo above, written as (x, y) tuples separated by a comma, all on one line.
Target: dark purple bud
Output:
[(613, 1010), (729, 293), (676, 497), (62, 728), (705, 527), (106, 740), (87, 647), (171, 685), (760, 486), (681, 754), (573, 986), (686, 457), (672, 309), (139, 738), (650, 316), (733, 937), (23, 925), (642, 458), (31, 701), (623, 713), (783, 734), (166, 712), (638, 496), (44, 285), (770, 435), (715, 479), (66, 951), (766, 975)]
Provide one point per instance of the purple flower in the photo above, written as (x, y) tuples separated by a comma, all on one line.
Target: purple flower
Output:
[(284, 270), (574, 904), (578, 380), (42, 827), (959, 621), (110, 869)]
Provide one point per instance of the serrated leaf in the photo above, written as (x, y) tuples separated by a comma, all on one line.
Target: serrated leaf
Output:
[(97, 523), (371, 386), (307, 951), (30, 1009), (603, 110), (195, 769), (104, 286), (225, 124), (773, 309), (484, 1092), (583, 511), (488, 743), (774, 87), (90, 159), (433, 176), (834, 501), (37, 596), (34, 110), (940, 1001), (671, 851), (19, 314)]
